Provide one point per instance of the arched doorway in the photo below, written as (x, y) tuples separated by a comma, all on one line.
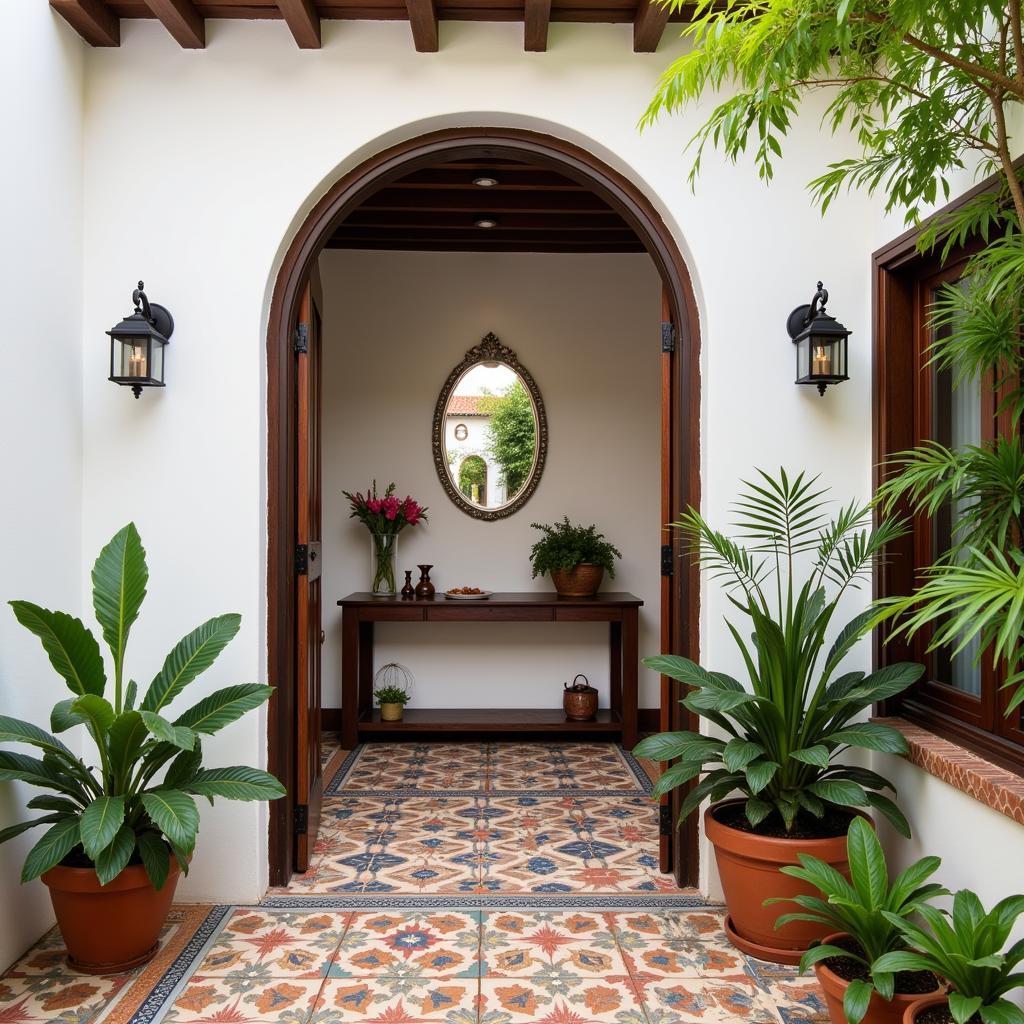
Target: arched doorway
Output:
[(680, 423)]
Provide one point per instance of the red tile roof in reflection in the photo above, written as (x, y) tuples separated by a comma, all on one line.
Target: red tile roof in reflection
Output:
[(465, 405)]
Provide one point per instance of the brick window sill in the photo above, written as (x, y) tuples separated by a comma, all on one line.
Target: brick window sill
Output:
[(995, 787)]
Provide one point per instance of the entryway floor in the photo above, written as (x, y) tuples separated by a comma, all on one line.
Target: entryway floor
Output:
[(492, 940)]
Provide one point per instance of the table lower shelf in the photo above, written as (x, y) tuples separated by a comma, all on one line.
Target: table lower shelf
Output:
[(490, 720)]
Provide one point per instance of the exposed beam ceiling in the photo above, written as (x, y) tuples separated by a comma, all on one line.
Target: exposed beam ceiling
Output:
[(91, 19), (182, 20), (303, 20), (97, 20), (530, 208)]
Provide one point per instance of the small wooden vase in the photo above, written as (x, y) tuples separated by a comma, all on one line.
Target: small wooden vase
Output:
[(424, 589)]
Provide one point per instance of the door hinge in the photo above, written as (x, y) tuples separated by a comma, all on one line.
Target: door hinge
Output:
[(665, 820), (668, 337), (302, 338), (301, 559), (301, 819), (666, 560)]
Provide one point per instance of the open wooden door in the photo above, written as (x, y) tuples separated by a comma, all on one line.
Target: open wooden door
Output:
[(309, 634)]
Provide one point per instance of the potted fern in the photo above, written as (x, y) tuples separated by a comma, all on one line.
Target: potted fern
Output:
[(774, 771), (119, 834), (575, 557)]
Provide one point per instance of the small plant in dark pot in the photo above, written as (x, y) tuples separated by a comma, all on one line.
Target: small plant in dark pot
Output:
[(785, 732), (575, 557), (119, 834)]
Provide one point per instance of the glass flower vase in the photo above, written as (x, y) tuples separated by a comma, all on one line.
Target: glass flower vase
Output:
[(383, 556)]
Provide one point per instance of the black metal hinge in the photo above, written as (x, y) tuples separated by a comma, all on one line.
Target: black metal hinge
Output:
[(302, 338), (668, 337), (666, 560), (301, 560), (665, 820), (301, 819)]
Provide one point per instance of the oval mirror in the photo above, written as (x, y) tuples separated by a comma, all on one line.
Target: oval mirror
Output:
[(490, 433)]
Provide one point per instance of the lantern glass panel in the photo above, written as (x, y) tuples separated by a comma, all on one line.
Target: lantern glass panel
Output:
[(134, 361), (156, 367), (803, 359), (823, 356)]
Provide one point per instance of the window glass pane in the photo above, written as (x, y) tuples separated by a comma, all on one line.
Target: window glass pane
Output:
[(956, 421)]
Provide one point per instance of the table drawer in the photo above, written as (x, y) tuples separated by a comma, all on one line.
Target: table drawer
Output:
[(583, 613), (393, 613), (464, 611)]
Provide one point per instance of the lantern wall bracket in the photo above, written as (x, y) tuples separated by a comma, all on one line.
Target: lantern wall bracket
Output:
[(804, 314), (159, 316)]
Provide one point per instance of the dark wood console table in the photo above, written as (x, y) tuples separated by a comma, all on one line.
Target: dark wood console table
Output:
[(361, 720)]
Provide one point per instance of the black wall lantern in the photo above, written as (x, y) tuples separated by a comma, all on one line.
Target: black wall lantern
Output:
[(820, 341), (137, 345)]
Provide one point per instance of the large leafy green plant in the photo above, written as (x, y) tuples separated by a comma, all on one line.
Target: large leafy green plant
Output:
[(966, 948), (786, 572), (865, 908), (138, 804), (925, 88), (566, 545)]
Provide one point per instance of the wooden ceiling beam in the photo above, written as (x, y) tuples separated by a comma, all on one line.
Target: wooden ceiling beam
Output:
[(423, 21), (303, 20), (493, 202), (359, 220), (648, 25), (536, 18), (182, 20), (483, 245), (91, 19)]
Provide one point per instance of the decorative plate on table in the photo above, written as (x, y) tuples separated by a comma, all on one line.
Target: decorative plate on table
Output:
[(480, 595)]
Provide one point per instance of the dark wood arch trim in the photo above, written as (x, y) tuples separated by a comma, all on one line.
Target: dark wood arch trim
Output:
[(340, 200)]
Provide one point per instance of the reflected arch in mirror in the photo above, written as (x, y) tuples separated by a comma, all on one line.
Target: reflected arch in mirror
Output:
[(490, 432)]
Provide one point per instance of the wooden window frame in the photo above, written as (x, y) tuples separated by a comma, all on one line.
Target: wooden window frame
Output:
[(901, 415)]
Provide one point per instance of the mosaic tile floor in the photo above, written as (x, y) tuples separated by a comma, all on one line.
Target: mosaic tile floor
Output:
[(601, 949)]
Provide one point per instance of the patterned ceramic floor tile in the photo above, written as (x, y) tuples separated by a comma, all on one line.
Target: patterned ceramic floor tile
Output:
[(245, 1000), (396, 1001), (74, 998), (572, 944), (799, 1000), (431, 944), (685, 1000), (559, 1001)]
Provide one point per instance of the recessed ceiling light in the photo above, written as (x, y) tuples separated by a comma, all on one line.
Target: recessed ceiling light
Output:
[(485, 180), (486, 222)]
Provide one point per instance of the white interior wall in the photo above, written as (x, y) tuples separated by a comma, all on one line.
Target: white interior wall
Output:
[(40, 395), (586, 327)]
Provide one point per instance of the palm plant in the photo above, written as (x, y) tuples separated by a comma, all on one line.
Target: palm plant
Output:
[(966, 949), (787, 572), (865, 908), (139, 802)]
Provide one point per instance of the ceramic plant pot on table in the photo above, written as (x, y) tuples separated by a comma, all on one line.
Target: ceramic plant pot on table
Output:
[(748, 865), (583, 581), (880, 1011), (112, 928)]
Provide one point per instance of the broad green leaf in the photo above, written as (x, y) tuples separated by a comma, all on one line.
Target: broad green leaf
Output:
[(885, 984), (224, 707), (28, 769), (71, 648), (100, 822), (64, 717), (119, 579), (1002, 1011), (125, 740), (175, 814), (759, 774), (51, 849), (673, 776), (156, 857), (131, 693), (900, 960), (856, 1000), (14, 730), (891, 811), (236, 783), (886, 682), (739, 753), (15, 830), (963, 1008), (838, 791), (757, 810), (54, 803), (818, 755), (192, 655), (871, 736), (667, 746), (816, 953), (184, 767), (867, 864), (177, 735), (114, 858), (97, 712)]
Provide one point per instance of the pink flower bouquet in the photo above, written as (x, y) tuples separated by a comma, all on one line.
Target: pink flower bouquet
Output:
[(385, 516)]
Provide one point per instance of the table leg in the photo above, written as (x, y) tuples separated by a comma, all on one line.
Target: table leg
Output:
[(630, 657), (365, 668), (615, 666), (349, 678)]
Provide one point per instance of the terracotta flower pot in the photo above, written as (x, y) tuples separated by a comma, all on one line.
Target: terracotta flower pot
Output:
[(583, 581), (749, 866), (391, 712), (880, 1011), (923, 1003), (111, 928)]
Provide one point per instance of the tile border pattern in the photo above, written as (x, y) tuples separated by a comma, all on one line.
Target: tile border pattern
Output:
[(995, 787)]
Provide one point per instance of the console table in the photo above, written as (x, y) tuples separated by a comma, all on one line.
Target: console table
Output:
[(361, 720)]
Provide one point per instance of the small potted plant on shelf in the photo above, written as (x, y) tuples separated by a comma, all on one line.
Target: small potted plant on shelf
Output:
[(120, 833), (392, 690), (861, 913), (575, 557), (966, 950), (781, 739), (385, 516)]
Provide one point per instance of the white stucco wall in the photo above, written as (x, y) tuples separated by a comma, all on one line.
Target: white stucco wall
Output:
[(40, 395), (586, 327)]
